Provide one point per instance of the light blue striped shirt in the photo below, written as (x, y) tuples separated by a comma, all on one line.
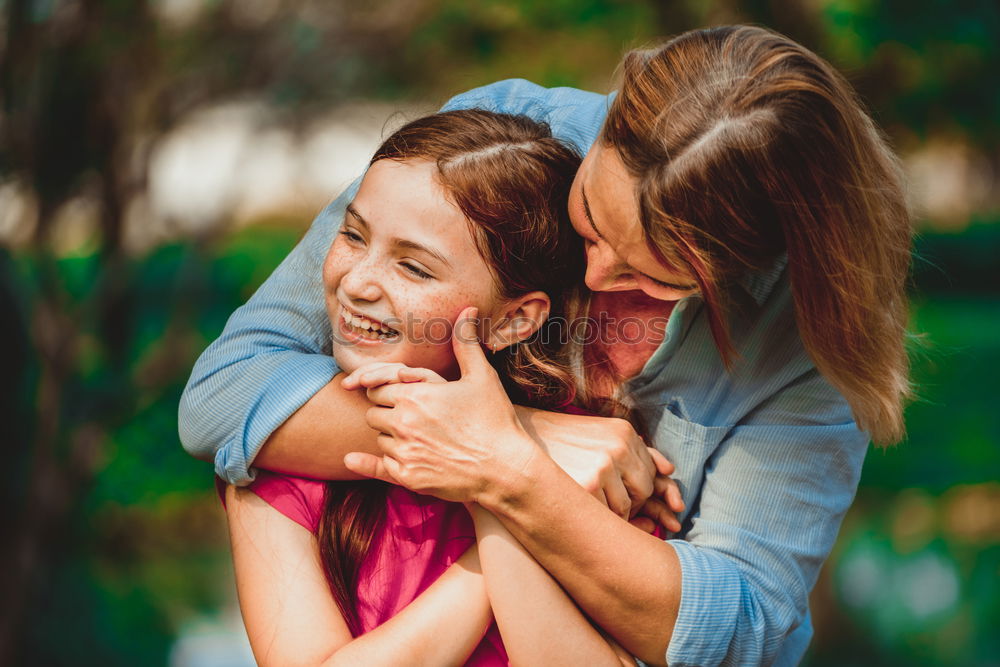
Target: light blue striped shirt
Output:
[(768, 456)]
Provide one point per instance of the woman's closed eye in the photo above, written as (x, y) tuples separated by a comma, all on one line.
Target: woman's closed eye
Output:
[(659, 289), (673, 286)]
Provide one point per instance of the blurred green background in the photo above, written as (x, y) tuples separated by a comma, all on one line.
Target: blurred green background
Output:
[(159, 158)]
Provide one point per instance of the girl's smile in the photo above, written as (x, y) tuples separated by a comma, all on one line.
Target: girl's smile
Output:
[(402, 267)]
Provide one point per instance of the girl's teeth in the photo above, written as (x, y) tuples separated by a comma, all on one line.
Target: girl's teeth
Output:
[(371, 329)]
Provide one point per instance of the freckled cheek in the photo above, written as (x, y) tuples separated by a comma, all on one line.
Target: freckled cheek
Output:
[(433, 319), (430, 321), (330, 280), (333, 267)]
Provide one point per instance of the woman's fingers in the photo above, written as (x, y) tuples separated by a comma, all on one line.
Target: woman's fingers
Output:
[(616, 496), (380, 419), (643, 523), (658, 511), (632, 462), (377, 377), (667, 490), (387, 395), (371, 466), (353, 379), (663, 466), (371, 376), (396, 373), (408, 374)]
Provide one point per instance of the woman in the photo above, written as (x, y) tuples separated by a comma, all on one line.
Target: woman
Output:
[(736, 189), (461, 207)]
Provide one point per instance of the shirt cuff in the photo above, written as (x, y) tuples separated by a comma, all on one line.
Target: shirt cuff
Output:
[(713, 613), (278, 398)]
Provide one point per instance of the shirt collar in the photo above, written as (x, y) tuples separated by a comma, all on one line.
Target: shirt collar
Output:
[(759, 284)]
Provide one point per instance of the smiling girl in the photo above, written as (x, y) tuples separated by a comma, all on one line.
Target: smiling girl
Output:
[(456, 209)]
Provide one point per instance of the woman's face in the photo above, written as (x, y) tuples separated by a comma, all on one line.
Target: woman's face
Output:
[(401, 269), (604, 211)]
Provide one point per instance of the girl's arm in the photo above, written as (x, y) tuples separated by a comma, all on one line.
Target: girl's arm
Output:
[(291, 618), (544, 626)]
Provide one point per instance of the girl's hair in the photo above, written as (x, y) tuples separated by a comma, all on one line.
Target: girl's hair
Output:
[(511, 180), (745, 145)]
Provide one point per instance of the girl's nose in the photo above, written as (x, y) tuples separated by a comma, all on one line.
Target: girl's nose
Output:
[(361, 283)]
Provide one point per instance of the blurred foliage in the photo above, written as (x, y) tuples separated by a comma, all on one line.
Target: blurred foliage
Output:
[(115, 535), (142, 546)]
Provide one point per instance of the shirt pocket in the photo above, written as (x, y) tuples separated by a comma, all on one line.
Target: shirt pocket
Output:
[(688, 445)]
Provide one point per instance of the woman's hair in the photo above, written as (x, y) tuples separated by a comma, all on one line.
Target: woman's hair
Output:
[(744, 146), (510, 178)]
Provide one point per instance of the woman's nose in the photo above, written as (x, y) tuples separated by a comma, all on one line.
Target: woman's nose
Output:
[(606, 272)]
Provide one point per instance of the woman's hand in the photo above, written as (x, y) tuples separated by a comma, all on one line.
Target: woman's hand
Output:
[(604, 455), (379, 373), (661, 508), (454, 440)]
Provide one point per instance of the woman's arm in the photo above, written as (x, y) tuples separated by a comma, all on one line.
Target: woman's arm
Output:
[(627, 581), (291, 618), (302, 445), (545, 626), (605, 456)]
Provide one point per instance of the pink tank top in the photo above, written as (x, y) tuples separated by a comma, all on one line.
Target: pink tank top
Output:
[(419, 539)]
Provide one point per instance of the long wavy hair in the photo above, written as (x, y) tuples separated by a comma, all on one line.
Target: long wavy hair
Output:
[(511, 180), (744, 146)]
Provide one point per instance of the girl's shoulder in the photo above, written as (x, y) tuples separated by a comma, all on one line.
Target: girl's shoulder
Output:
[(406, 513), (300, 499)]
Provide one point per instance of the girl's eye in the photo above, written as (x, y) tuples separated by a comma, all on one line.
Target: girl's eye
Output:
[(416, 271), (351, 236)]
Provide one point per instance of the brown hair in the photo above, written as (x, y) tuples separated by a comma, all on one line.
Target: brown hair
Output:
[(511, 180), (745, 145)]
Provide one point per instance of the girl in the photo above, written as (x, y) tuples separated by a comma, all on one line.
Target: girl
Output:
[(461, 208)]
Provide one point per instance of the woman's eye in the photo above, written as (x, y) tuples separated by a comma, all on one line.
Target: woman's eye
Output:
[(662, 287), (416, 271)]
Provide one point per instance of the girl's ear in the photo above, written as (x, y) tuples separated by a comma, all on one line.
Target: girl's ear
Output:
[(519, 319)]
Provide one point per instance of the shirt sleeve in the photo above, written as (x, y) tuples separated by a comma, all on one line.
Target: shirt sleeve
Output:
[(274, 353), (769, 510), (272, 356)]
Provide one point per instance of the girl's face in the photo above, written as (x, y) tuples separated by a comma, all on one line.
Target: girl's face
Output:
[(401, 269)]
